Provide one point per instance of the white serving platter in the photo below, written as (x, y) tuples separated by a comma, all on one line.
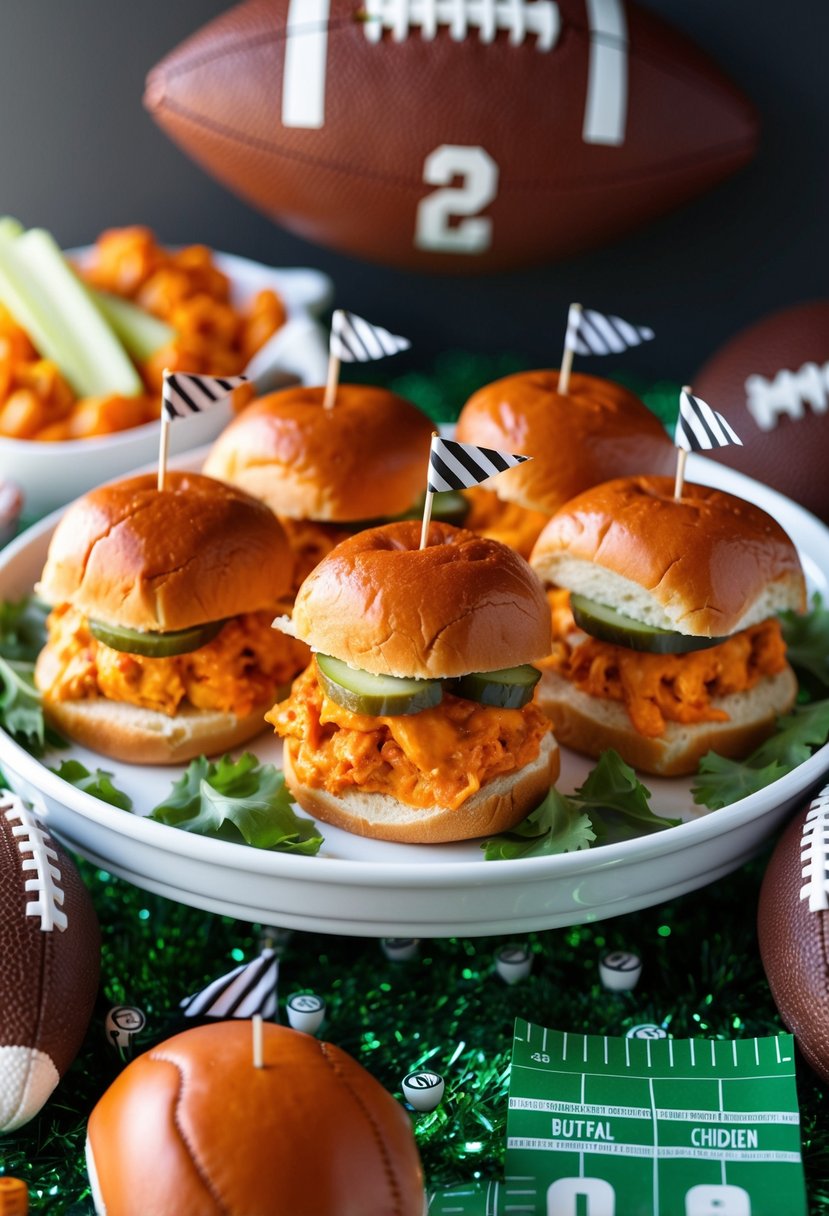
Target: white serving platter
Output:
[(51, 474), (374, 888)]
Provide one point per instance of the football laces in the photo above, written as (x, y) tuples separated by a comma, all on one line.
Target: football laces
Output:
[(520, 18), (814, 855), (39, 861)]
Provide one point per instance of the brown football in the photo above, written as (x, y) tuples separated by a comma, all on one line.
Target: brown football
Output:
[(49, 954), (771, 382), (793, 924)]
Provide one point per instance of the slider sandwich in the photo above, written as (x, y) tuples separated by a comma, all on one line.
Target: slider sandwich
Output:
[(597, 430), (159, 640), (666, 638), (327, 473), (415, 720)]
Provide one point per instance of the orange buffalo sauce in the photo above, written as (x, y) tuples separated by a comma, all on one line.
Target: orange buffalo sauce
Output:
[(244, 666), (438, 757), (660, 688)]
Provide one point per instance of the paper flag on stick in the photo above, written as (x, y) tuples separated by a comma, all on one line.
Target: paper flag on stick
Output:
[(354, 340), (593, 333), (248, 989), (700, 428), (185, 394), (458, 466)]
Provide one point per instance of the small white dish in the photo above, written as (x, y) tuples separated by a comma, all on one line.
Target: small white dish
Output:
[(51, 474)]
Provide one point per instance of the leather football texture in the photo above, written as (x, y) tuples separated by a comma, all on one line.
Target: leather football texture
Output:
[(453, 135), (771, 381), (49, 962)]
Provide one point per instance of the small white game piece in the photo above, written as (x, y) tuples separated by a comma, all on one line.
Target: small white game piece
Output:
[(123, 1023), (423, 1090), (400, 949), (646, 1030), (513, 963), (619, 970), (306, 1011)]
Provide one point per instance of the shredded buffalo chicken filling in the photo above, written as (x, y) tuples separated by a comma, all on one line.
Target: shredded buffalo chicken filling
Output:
[(310, 542), (244, 666), (660, 688), (438, 757), (515, 526)]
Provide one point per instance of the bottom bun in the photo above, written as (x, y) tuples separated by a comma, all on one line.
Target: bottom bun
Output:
[(592, 725), (496, 807), (146, 736)]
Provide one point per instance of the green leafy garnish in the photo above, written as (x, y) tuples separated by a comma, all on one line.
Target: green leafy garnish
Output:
[(807, 641), (99, 784), (721, 782), (22, 636), (240, 800), (612, 801), (23, 628)]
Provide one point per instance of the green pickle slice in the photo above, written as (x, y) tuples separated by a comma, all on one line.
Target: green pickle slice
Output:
[(155, 645), (608, 625), (361, 692), (509, 688)]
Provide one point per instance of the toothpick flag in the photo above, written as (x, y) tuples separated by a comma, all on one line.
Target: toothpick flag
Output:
[(248, 989), (592, 333), (354, 340), (183, 394), (458, 466), (700, 428)]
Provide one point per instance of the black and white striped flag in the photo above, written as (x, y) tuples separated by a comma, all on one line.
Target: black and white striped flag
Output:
[(185, 394), (457, 466), (592, 333), (248, 989), (700, 428), (354, 340)]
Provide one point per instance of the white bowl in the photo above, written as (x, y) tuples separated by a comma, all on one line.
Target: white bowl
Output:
[(52, 474), (374, 888)]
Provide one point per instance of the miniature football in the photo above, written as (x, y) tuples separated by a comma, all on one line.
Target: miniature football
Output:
[(192, 1126), (772, 383), (50, 952), (453, 135), (793, 924)]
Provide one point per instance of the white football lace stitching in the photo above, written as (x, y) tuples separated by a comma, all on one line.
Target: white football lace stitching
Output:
[(815, 853), (33, 839), (487, 17)]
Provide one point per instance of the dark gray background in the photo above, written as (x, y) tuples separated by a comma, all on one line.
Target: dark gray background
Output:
[(78, 154)]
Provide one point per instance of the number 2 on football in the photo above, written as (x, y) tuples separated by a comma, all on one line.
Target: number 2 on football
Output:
[(478, 187)]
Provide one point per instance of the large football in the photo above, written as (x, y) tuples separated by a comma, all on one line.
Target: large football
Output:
[(49, 960), (793, 923), (772, 383), (453, 135)]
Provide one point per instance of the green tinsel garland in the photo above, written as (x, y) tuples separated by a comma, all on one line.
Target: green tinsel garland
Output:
[(447, 1009)]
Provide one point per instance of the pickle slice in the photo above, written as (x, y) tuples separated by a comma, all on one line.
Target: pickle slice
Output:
[(381, 696), (509, 688), (155, 645), (608, 625)]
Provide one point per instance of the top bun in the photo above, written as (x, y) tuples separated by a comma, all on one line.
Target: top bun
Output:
[(707, 564), (462, 604), (597, 431), (365, 458), (196, 551)]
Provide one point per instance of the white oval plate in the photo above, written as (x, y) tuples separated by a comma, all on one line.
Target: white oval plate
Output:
[(373, 888), (52, 474)]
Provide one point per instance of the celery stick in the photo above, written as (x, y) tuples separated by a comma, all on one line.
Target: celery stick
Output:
[(9, 227), (141, 333), (80, 340)]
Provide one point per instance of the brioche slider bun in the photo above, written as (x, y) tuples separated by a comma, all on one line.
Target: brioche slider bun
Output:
[(147, 563), (597, 430), (462, 604), (363, 459), (192, 1128), (704, 568)]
